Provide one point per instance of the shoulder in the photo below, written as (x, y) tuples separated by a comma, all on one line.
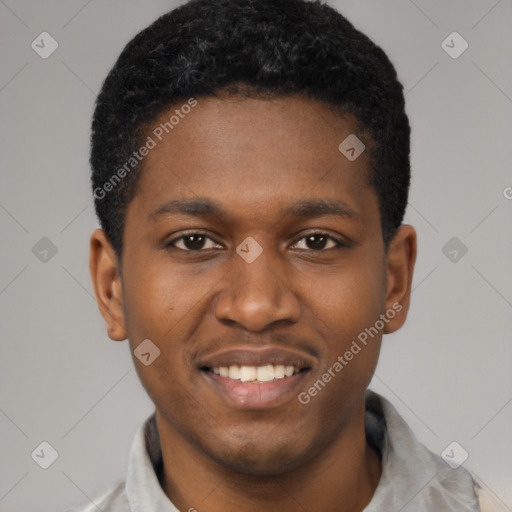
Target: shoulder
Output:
[(488, 502), (112, 499)]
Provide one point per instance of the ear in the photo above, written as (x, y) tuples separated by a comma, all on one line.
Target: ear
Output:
[(106, 279), (401, 258)]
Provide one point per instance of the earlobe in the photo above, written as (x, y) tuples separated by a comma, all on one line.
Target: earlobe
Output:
[(401, 258), (106, 280)]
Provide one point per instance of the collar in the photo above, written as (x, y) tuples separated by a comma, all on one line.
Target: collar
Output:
[(413, 478)]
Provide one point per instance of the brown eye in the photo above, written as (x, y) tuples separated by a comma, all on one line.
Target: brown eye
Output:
[(319, 241), (192, 242)]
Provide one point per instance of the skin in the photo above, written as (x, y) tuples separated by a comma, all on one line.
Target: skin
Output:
[(255, 157)]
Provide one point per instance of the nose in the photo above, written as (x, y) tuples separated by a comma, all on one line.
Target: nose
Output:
[(257, 295)]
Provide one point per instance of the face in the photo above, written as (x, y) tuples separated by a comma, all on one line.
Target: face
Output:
[(253, 242)]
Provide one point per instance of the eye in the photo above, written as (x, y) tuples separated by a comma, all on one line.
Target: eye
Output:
[(318, 242), (194, 241), (197, 241)]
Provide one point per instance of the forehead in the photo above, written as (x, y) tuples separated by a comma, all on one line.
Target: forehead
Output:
[(249, 152)]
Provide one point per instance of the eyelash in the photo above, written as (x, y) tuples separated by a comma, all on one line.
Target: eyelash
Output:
[(339, 243)]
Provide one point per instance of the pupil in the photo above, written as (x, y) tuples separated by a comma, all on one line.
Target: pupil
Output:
[(197, 244), (320, 241)]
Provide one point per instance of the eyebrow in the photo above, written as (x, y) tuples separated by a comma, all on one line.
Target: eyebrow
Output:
[(305, 208)]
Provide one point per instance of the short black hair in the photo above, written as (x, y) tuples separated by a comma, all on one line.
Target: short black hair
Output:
[(276, 47)]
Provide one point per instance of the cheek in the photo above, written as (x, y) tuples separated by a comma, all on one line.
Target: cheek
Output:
[(165, 306), (160, 307), (159, 301), (347, 306), (350, 299)]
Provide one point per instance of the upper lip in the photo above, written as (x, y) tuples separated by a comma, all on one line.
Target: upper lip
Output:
[(250, 356)]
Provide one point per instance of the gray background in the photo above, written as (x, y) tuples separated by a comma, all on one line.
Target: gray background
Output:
[(448, 371)]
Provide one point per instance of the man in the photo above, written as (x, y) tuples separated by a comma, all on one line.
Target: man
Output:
[(251, 172)]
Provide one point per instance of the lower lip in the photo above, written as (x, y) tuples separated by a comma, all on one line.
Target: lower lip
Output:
[(261, 395)]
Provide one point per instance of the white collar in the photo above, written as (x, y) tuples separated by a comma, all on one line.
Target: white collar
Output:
[(413, 478)]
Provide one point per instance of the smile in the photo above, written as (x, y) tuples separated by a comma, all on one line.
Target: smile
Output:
[(249, 377), (255, 374), (272, 387)]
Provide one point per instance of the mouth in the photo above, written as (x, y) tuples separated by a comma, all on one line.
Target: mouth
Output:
[(256, 379), (256, 374)]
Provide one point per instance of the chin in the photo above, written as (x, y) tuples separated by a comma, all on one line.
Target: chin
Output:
[(256, 460)]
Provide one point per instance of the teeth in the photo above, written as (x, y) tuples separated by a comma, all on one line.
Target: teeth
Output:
[(288, 371), (247, 373), (256, 374), (266, 373), (234, 372), (278, 371)]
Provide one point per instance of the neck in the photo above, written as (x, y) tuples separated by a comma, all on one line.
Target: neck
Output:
[(343, 477)]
